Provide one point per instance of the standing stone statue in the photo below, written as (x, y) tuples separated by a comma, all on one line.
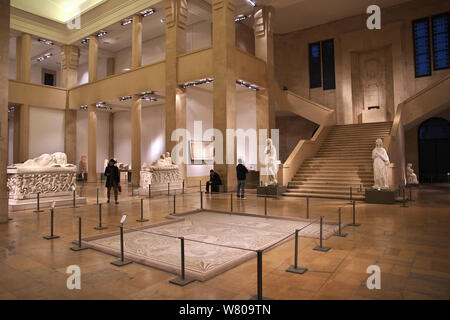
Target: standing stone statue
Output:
[(411, 176), (380, 166), (271, 162)]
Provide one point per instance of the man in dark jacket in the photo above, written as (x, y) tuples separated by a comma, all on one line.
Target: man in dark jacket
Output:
[(112, 179), (241, 173), (214, 182)]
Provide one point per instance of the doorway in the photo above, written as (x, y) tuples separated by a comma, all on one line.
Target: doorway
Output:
[(434, 151)]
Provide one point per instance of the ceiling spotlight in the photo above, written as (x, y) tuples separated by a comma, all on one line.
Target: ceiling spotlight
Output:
[(147, 98), (162, 20), (85, 40), (124, 98), (44, 57), (126, 21), (241, 17), (146, 93), (84, 107), (252, 3), (10, 109), (102, 33), (196, 83), (99, 104), (44, 41), (147, 12), (253, 87)]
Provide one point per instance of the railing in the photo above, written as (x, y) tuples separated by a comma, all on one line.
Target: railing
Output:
[(36, 94)]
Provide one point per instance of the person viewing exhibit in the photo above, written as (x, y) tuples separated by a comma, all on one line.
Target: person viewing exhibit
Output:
[(241, 174), (214, 182), (112, 180)]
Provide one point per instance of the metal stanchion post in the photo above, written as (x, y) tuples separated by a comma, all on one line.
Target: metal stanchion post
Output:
[(168, 188), (74, 201), (340, 234), (174, 204), (231, 202), (100, 227), (51, 236), (354, 224), (295, 268), (182, 188), (149, 190), (265, 205), (201, 200), (259, 295), (38, 205), (132, 190), (97, 195), (351, 195), (410, 194), (182, 280), (404, 199), (122, 261), (200, 185), (80, 246), (307, 207), (142, 212), (320, 247)]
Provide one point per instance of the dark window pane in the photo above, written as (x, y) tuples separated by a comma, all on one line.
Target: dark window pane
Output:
[(49, 79), (422, 57), (440, 41), (315, 80), (328, 65)]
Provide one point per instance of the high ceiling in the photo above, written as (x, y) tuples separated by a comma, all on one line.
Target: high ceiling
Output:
[(57, 10)]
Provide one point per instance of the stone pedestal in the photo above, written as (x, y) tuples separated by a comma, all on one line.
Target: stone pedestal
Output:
[(380, 196), (274, 191)]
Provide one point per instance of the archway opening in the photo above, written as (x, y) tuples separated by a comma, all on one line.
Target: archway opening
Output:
[(434, 151)]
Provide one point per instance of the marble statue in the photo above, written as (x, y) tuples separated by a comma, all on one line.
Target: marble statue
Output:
[(271, 162), (410, 175), (160, 172), (380, 166), (48, 174)]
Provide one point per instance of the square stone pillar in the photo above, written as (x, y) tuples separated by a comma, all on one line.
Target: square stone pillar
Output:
[(22, 112), (224, 92), (4, 63), (176, 15), (263, 29), (136, 120), (93, 58), (69, 78), (92, 143), (136, 42)]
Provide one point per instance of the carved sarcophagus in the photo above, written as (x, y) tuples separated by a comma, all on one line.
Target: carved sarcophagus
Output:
[(160, 176), (26, 182)]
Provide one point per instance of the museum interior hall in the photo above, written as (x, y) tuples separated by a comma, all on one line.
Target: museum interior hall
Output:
[(224, 150)]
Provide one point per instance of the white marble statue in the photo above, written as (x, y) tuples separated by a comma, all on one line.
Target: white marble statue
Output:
[(411, 176), (380, 166), (57, 159), (50, 175), (271, 162)]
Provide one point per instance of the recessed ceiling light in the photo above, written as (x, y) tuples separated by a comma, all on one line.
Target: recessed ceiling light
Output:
[(85, 40), (162, 20), (147, 12), (252, 3), (126, 21), (44, 41), (102, 33), (45, 56)]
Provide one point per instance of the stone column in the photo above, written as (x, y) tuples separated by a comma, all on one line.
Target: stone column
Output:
[(136, 102), (176, 16), (93, 58), (136, 119), (92, 143), (69, 78), (110, 66), (224, 93), (92, 110), (4, 63), (22, 112), (111, 136), (263, 28)]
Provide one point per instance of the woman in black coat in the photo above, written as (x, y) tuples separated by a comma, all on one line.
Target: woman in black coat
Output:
[(112, 179)]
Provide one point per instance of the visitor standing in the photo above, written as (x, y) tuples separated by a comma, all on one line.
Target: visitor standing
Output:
[(241, 173), (112, 180)]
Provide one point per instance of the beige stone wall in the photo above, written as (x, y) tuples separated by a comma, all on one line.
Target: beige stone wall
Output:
[(245, 38), (352, 40)]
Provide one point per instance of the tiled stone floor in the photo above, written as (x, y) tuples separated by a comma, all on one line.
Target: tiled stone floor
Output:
[(410, 245)]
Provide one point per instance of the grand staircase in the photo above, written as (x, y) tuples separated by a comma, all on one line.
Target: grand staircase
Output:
[(344, 160)]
